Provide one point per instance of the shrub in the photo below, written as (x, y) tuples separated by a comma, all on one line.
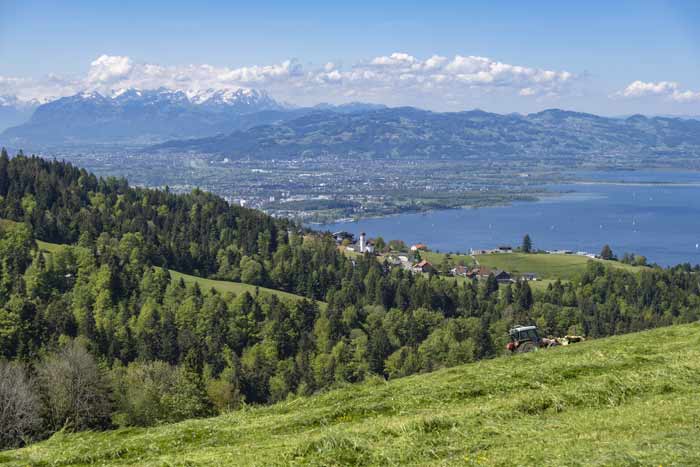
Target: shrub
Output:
[(20, 406), (74, 388), (156, 392)]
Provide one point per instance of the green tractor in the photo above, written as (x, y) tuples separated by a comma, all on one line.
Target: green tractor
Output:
[(526, 339)]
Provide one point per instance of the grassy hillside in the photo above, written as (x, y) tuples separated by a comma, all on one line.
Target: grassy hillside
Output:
[(437, 258), (205, 284), (235, 287), (628, 400), (564, 267), (47, 247)]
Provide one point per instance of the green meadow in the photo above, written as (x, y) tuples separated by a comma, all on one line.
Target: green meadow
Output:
[(546, 266), (629, 400), (235, 287)]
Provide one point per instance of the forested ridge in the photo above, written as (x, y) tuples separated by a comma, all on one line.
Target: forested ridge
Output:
[(151, 350)]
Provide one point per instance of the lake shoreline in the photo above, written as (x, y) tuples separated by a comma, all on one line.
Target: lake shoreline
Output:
[(658, 220)]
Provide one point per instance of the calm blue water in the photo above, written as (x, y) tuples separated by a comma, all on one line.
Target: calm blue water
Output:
[(661, 222)]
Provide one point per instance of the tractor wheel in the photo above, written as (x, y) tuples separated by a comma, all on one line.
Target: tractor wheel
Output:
[(526, 347)]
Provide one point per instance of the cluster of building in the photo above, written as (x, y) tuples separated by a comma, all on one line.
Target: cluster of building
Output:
[(482, 272), (405, 262), (365, 245), (408, 262)]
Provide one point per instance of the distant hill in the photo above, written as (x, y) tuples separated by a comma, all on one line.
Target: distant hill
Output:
[(550, 408), (350, 107), (410, 132)]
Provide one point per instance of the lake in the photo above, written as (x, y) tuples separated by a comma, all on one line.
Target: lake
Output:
[(648, 212)]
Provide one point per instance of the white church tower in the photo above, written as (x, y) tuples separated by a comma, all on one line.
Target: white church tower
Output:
[(362, 242)]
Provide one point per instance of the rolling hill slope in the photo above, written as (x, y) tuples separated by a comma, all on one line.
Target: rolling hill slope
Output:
[(547, 266), (626, 400), (236, 287), (204, 283)]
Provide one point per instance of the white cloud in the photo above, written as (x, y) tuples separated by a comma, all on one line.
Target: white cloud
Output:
[(107, 69), (30, 90), (668, 89), (396, 78), (394, 59), (685, 96), (435, 62)]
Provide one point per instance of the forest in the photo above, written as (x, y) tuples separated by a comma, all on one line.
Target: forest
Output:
[(96, 334)]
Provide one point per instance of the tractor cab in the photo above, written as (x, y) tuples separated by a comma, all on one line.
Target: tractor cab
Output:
[(524, 339)]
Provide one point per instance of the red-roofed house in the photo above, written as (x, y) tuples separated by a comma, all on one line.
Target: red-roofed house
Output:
[(423, 266)]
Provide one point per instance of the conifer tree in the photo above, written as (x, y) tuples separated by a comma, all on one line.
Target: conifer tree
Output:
[(606, 253)]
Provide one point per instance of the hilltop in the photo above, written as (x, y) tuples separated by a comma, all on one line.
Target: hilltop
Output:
[(563, 406)]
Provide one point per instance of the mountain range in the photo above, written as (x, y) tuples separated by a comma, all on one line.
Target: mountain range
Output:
[(145, 116), (148, 116), (249, 123), (410, 132)]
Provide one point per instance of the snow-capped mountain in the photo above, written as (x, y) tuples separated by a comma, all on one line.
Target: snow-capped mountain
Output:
[(243, 99), (135, 115)]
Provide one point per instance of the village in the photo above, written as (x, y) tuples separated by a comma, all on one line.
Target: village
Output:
[(419, 259)]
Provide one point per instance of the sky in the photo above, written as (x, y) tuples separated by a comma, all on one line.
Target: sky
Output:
[(603, 57)]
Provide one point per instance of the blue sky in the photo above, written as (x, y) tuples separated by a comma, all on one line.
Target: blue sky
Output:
[(334, 51)]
